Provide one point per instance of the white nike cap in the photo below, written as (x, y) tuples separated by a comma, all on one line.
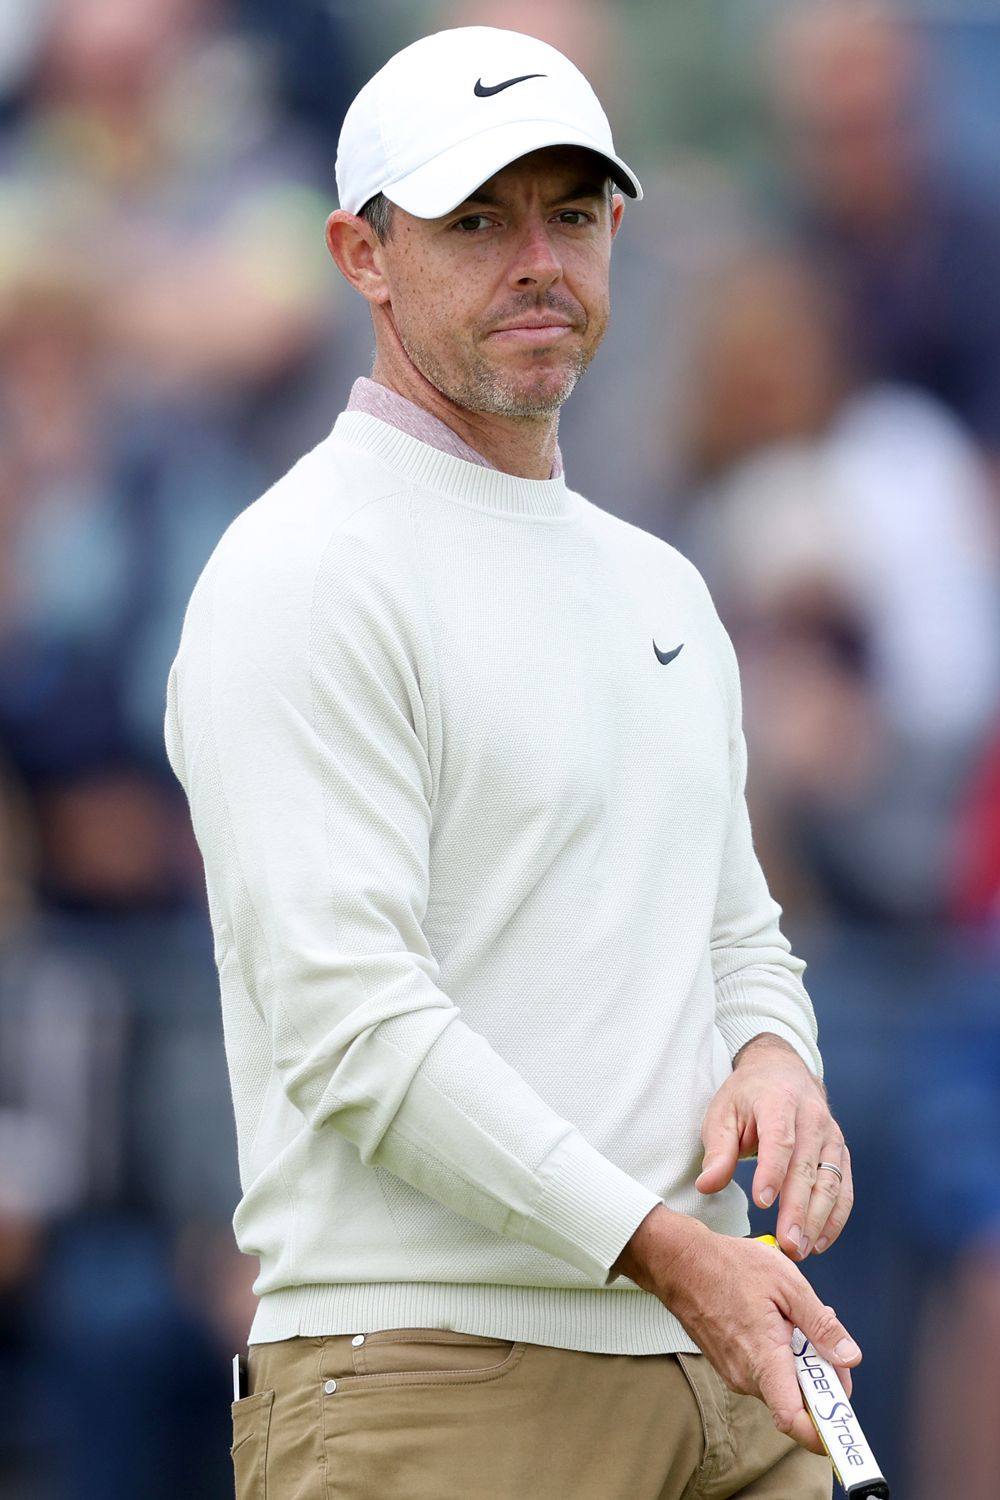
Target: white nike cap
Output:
[(446, 113)]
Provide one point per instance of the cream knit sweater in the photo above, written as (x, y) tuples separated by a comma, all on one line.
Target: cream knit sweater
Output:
[(487, 916)]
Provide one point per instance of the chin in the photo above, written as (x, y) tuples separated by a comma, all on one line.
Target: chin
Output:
[(545, 389), (498, 390)]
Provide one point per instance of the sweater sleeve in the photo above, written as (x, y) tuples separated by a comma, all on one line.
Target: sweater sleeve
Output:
[(312, 730), (758, 980)]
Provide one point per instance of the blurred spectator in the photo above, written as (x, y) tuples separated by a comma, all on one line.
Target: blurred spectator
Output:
[(109, 512), (913, 244), (314, 48), (150, 144), (845, 529), (108, 507), (59, 1134), (948, 1133), (913, 247), (162, 274)]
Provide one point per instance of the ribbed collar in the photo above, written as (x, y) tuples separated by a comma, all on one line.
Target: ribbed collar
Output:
[(389, 406), (428, 468)]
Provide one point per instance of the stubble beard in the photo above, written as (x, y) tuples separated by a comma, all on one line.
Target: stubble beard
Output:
[(479, 386)]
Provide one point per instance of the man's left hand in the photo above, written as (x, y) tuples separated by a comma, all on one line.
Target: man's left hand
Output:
[(773, 1108)]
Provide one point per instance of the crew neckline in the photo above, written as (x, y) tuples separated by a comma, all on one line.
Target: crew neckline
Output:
[(474, 484), (380, 401)]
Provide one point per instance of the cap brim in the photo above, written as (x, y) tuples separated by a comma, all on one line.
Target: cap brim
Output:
[(445, 181)]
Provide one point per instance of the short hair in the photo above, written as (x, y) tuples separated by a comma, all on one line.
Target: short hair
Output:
[(377, 213)]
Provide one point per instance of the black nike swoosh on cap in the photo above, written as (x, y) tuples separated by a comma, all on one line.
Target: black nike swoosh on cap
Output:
[(483, 91), (667, 656)]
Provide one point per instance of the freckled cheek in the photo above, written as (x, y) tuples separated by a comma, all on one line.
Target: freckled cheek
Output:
[(434, 314)]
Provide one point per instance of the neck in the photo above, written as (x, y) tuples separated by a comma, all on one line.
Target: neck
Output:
[(523, 446)]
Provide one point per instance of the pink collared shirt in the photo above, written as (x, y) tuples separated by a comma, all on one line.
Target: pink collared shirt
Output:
[(388, 406)]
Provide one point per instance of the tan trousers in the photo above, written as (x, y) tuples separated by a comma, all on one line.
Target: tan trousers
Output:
[(417, 1414)]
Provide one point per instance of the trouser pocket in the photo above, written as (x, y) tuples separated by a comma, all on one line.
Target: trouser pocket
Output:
[(423, 1414), (251, 1427), (412, 1355)]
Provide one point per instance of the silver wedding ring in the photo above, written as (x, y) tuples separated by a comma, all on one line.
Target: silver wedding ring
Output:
[(829, 1166)]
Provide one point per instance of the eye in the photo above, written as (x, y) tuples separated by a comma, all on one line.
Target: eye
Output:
[(575, 216), (472, 223)]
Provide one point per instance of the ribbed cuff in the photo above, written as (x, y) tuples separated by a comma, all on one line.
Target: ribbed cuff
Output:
[(740, 1029), (588, 1210)]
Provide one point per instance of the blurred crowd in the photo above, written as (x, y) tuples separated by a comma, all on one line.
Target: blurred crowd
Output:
[(800, 389)]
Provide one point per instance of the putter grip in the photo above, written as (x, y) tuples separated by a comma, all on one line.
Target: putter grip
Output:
[(834, 1418)]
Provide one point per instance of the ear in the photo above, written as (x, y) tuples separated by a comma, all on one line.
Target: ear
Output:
[(617, 210), (356, 249)]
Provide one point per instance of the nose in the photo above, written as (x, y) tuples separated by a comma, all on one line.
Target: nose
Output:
[(535, 264)]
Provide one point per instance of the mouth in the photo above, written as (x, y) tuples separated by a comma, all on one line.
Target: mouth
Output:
[(532, 332)]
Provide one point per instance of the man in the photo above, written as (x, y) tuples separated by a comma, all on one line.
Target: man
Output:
[(904, 232), (465, 764)]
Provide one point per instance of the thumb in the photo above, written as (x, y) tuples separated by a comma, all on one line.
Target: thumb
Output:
[(721, 1137)]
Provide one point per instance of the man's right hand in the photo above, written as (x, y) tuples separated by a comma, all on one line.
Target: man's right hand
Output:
[(739, 1301)]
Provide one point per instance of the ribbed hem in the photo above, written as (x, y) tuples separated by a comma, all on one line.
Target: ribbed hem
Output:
[(588, 1210), (619, 1320), (428, 468)]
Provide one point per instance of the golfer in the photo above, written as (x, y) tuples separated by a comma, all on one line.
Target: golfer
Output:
[(504, 992)]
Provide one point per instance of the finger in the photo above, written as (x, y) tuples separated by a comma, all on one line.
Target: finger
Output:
[(721, 1138), (775, 1144), (779, 1387), (841, 1211), (826, 1190), (811, 1127), (825, 1331)]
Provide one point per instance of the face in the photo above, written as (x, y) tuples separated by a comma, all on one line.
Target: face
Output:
[(502, 303)]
